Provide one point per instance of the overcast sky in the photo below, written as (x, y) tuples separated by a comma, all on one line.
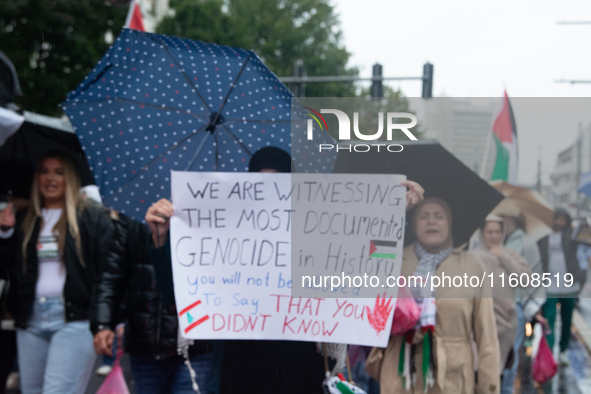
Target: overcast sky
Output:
[(477, 50)]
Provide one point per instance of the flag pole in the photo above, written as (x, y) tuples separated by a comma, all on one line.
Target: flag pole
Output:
[(129, 14), (489, 139), (486, 149), (134, 18)]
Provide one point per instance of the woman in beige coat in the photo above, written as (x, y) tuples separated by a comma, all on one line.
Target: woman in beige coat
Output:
[(459, 316), (499, 260)]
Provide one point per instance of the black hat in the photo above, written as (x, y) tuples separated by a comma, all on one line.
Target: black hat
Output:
[(272, 158)]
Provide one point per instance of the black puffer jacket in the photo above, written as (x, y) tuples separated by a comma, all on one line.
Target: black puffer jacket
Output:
[(569, 248), (151, 324), (96, 230)]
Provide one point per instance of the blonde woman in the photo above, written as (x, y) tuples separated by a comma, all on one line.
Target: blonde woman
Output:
[(54, 250)]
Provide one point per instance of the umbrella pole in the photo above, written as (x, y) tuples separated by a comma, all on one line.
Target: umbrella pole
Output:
[(199, 148), (216, 119)]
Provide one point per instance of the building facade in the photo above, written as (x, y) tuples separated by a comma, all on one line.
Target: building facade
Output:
[(463, 126), (570, 164)]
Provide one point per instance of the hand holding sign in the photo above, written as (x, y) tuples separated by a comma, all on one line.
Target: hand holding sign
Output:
[(414, 195), (157, 217)]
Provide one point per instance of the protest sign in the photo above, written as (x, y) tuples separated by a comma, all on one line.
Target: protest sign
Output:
[(348, 233), (231, 245)]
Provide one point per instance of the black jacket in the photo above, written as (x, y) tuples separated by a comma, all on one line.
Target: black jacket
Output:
[(569, 248), (96, 230), (151, 323)]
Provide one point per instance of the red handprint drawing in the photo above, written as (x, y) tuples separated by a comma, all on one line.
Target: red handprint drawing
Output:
[(379, 316)]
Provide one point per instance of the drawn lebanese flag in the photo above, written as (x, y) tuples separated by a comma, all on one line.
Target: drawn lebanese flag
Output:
[(191, 312)]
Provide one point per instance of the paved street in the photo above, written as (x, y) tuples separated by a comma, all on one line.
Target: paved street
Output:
[(576, 377), (572, 379), (95, 381)]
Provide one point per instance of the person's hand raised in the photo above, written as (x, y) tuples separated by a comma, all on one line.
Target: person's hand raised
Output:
[(414, 195), (158, 218)]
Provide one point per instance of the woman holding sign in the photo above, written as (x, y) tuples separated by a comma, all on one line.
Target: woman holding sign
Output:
[(55, 249), (254, 366), (451, 318)]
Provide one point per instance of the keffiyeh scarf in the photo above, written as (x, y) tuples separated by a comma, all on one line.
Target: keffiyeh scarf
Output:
[(425, 299)]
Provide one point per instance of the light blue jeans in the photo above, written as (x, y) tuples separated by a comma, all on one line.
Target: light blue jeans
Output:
[(510, 374), (54, 357)]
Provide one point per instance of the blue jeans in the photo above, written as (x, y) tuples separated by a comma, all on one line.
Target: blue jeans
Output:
[(170, 375), (510, 374), (54, 357), (362, 378)]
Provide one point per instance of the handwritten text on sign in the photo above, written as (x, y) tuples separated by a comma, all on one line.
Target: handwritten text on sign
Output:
[(348, 233), (231, 255)]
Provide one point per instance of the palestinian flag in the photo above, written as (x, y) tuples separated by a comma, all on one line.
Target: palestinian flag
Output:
[(505, 137), (382, 249)]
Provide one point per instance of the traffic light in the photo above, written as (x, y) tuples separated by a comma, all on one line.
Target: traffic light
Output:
[(377, 89), (427, 80), (298, 88)]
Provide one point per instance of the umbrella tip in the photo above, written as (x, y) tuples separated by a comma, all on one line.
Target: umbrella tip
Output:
[(215, 118)]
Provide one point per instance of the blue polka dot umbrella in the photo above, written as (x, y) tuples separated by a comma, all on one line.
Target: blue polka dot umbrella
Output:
[(156, 103)]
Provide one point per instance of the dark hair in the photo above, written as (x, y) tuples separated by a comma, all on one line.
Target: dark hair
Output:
[(492, 221), (564, 213), (272, 158)]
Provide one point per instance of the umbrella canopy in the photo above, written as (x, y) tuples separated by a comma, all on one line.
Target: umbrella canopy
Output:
[(440, 173), (10, 122), (538, 213), (21, 152), (9, 85), (156, 103)]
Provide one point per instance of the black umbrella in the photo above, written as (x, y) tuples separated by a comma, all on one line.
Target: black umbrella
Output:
[(21, 152), (9, 85), (440, 173)]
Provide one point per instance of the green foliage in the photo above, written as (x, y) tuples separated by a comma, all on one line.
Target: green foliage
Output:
[(54, 44), (279, 31)]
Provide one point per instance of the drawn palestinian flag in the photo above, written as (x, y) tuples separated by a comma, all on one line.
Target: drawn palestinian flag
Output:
[(382, 249), (505, 136), (194, 315)]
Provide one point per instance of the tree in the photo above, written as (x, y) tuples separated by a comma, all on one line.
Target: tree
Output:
[(54, 44), (279, 31)]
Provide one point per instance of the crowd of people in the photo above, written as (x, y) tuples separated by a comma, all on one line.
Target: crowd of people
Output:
[(81, 275)]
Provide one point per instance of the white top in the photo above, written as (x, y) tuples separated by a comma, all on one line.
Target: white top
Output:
[(52, 272), (557, 265)]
